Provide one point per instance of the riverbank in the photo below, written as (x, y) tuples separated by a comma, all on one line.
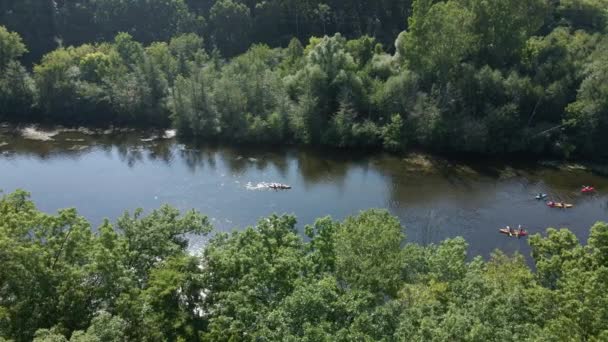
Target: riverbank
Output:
[(590, 166), (417, 159)]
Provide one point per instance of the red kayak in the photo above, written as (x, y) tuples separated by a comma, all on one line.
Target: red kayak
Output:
[(513, 232), (587, 189)]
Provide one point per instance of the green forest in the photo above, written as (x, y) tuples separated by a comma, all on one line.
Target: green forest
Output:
[(458, 76), (525, 78), (135, 279)]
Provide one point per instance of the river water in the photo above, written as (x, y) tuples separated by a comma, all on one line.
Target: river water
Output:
[(102, 175)]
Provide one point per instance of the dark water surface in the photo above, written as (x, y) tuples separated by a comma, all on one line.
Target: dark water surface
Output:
[(104, 174)]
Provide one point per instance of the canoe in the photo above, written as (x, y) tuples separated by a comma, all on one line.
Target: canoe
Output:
[(560, 205), (513, 233), (279, 186)]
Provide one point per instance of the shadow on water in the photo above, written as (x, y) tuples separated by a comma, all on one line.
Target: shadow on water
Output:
[(133, 148)]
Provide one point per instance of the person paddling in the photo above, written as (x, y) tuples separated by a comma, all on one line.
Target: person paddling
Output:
[(520, 231)]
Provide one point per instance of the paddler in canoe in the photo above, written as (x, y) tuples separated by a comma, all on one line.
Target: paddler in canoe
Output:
[(519, 232), (559, 205), (278, 186)]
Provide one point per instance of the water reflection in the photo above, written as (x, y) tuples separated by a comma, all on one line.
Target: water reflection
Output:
[(417, 179), (134, 148)]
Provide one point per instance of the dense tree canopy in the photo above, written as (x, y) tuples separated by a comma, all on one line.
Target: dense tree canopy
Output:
[(462, 76), (231, 25), (359, 279)]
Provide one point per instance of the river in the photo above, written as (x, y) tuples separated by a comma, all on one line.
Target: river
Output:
[(102, 175)]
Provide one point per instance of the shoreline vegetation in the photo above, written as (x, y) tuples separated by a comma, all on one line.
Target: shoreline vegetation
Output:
[(448, 77), (415, 160), (356, 279)]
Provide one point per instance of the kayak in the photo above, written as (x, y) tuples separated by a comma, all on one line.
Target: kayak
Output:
[(541, 196), (513, 232), (560, 205), (587, 189)]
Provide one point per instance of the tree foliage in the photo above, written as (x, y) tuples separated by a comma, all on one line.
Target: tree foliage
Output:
[(464, 76), (58, 274), (356, 279)]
